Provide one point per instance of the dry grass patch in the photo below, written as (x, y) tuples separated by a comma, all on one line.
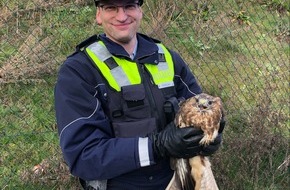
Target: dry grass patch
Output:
[(31, 60)]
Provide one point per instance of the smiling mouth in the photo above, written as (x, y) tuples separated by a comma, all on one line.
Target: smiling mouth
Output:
[(122, 25)]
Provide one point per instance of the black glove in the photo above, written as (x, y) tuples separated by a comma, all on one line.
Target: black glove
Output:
[(176, 142), (214, 146)]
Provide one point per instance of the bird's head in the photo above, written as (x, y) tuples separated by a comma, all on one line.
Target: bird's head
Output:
[(204, 101)]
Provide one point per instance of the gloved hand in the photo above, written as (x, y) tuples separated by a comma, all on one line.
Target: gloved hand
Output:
[(214, 146), (176, 142)]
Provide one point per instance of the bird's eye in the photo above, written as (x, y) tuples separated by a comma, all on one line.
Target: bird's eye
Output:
[(210, 102)]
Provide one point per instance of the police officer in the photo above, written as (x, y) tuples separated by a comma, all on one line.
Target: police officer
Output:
[(115, 100)]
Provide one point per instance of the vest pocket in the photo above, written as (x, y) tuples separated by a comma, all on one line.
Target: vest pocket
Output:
[(139, 128), (135, 105)]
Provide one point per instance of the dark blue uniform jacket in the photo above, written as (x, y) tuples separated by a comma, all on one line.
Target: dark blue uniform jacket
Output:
[(86, 137)]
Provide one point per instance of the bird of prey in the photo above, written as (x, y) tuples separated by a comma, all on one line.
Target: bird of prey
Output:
[(205, 112)]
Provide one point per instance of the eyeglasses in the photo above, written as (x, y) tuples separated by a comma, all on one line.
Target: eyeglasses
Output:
[(128, 8)]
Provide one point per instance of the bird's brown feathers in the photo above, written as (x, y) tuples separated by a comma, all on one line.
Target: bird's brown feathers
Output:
[(205, 112), (201, 111)]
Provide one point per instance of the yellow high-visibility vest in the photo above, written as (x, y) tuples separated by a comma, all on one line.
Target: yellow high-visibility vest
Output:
[(120, 72)]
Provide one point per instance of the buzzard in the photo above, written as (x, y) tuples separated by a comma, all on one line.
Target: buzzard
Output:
[(205, 112)]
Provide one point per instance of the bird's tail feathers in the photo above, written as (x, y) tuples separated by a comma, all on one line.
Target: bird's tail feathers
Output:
[(183, 174)]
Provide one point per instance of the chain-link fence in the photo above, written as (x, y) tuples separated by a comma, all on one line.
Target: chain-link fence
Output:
[(238, 50)]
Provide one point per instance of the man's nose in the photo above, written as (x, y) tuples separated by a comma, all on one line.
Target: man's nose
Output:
[(121, 13)]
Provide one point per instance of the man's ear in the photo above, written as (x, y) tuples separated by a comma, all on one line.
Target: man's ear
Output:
[(98, 18)]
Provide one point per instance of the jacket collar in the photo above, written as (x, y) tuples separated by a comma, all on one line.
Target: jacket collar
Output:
[(147, 50)]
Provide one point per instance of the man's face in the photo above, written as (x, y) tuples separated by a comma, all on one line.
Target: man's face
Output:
[(119, 19)]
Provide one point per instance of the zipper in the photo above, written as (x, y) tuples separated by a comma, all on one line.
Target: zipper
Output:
[(147, 82)]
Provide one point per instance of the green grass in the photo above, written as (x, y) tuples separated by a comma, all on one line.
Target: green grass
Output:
[(27, 130), (237, 50)]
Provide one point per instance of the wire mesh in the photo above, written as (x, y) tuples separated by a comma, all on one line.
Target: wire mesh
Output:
[(238, 50)]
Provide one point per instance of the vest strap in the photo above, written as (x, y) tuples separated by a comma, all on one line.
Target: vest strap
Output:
[(111, 63)]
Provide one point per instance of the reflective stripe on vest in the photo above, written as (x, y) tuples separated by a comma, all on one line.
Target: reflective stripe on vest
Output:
[(124, 73), (163, 73)]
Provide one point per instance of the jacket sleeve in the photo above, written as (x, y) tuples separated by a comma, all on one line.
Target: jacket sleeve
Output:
[(86, 138), (185, 82)]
